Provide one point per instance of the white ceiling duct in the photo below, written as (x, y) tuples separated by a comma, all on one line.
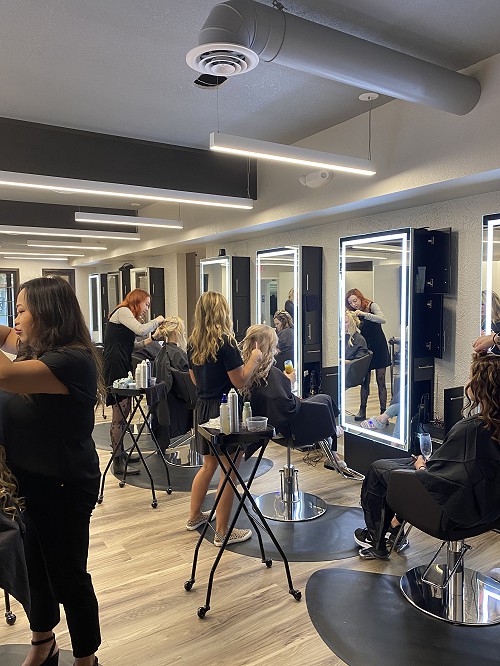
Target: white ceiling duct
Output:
[(238, 33)]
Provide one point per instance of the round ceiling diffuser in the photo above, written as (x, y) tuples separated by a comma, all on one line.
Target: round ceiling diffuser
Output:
[(220, 59)]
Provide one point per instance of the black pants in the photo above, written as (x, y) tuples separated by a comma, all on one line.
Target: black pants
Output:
[(57, 541), (378, 514)]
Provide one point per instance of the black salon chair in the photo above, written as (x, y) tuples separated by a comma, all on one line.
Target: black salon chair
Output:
[(447, 591), (181, 400), (357, 370), (289, 503)]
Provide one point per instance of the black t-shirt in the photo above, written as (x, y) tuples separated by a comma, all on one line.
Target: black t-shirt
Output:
[(211, 377), (51, 435)]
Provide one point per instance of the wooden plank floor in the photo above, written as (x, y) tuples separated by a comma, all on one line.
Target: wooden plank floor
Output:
[(140, 558)]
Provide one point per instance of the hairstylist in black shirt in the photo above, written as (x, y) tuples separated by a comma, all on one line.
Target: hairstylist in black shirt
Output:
[(48, 421)]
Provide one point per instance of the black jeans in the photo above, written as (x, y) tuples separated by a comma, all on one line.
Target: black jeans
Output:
[(378, 514), (57, 541)]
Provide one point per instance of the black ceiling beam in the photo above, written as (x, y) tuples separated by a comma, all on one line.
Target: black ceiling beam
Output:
[(68, 153)]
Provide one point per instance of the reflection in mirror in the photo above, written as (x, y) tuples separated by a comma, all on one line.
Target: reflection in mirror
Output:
[(490, 278), (215, 276), (278, 294), (374, 322), (114, 295)]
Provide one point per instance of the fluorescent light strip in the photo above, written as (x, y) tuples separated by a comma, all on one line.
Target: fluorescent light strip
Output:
[(134, 192), (128, 220), (62, 246), (38, 254), (235, 145), (36, 258), (85, 233)]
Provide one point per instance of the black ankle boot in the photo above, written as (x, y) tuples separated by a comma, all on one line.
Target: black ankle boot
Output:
[(119, 467), (361, 415)]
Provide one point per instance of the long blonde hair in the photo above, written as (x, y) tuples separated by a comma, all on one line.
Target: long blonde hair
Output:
[(171, 325), (9, 502), (267, 341), (352, 325), (212, 323)]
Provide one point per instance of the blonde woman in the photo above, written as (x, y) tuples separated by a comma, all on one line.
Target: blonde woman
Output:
[(355, 344), (173, 332), (215, 366), (270, 394)]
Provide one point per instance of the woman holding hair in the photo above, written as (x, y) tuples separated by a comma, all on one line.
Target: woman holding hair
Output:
[(371, 318), (270, 394), (48, 420), (123, 327), (463, 475), (283, 324), (215, 366)]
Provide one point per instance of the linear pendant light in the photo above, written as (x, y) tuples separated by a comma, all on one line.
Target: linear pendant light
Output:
[(84, 233), (134, 192), (278, 152), (63, 246), (43, 254), (130, 220)]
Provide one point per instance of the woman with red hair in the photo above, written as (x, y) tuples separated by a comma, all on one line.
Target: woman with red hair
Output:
[(371, 319), (125, 324)]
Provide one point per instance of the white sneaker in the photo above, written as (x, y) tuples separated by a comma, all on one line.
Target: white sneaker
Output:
[(198, 522), (237, 536)]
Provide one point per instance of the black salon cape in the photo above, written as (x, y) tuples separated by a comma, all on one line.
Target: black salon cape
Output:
[(13, 573), (463, 476)]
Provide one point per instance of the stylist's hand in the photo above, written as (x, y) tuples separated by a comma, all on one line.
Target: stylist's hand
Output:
[(483, 343), (256, 354), (160, 319), (359, 313)]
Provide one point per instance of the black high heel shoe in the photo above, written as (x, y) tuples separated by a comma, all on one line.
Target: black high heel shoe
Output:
[(52, 658)]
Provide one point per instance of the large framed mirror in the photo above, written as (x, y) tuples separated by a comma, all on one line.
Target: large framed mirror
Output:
[(278, 288), (490, 275), (230, 276), (374, 325)]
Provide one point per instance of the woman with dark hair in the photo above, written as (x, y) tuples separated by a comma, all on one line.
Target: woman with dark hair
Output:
[(124, 325), (371, 319), (48, 420), (283, 324), (463, 475)]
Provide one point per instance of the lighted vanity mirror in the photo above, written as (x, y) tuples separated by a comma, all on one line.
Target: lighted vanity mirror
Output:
[(490, 275), (278, 288), (215, 275), (375, 376)]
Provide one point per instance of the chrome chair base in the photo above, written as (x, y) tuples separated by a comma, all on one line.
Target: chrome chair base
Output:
[(183, 453), (470, 598), (303, 507)]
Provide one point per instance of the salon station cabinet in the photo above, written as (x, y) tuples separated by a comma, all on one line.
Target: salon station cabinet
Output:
[(407, 272), (230, 276)]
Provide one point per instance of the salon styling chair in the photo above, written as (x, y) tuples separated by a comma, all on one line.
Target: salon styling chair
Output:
[(356, 370), (447, 591), (289, 504), (181, 400)]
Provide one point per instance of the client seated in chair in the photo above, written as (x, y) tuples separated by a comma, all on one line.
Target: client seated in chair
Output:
[(270, 394), (462, 476)]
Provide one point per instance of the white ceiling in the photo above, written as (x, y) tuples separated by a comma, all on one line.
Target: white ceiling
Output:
[(119, 66)]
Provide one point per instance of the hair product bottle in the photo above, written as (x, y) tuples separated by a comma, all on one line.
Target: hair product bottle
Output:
[(225, 426)]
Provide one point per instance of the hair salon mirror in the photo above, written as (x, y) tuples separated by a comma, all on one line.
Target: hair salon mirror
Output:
[(373, 334), (490, 278), (230, 276), (278, 291)]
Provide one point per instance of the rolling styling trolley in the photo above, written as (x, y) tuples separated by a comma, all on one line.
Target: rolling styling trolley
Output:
[(226, 448), (153, 395)]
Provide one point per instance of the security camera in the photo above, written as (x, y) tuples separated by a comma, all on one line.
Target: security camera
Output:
[(316, 179)]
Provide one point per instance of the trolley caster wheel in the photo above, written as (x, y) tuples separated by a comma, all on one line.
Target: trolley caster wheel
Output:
[(296, 594), (189, 584), (10, 618), (169, 490), (122, 484), (154, 504), (202, 611), (99, 499)]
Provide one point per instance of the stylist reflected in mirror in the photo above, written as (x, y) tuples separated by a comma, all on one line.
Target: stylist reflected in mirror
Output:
[(283, 324), (371, 319)]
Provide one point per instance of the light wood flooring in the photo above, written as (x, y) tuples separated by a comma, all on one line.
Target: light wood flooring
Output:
[(140, 558)]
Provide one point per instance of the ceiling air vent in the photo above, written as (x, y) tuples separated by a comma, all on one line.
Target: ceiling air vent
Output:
[(222, 59)]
